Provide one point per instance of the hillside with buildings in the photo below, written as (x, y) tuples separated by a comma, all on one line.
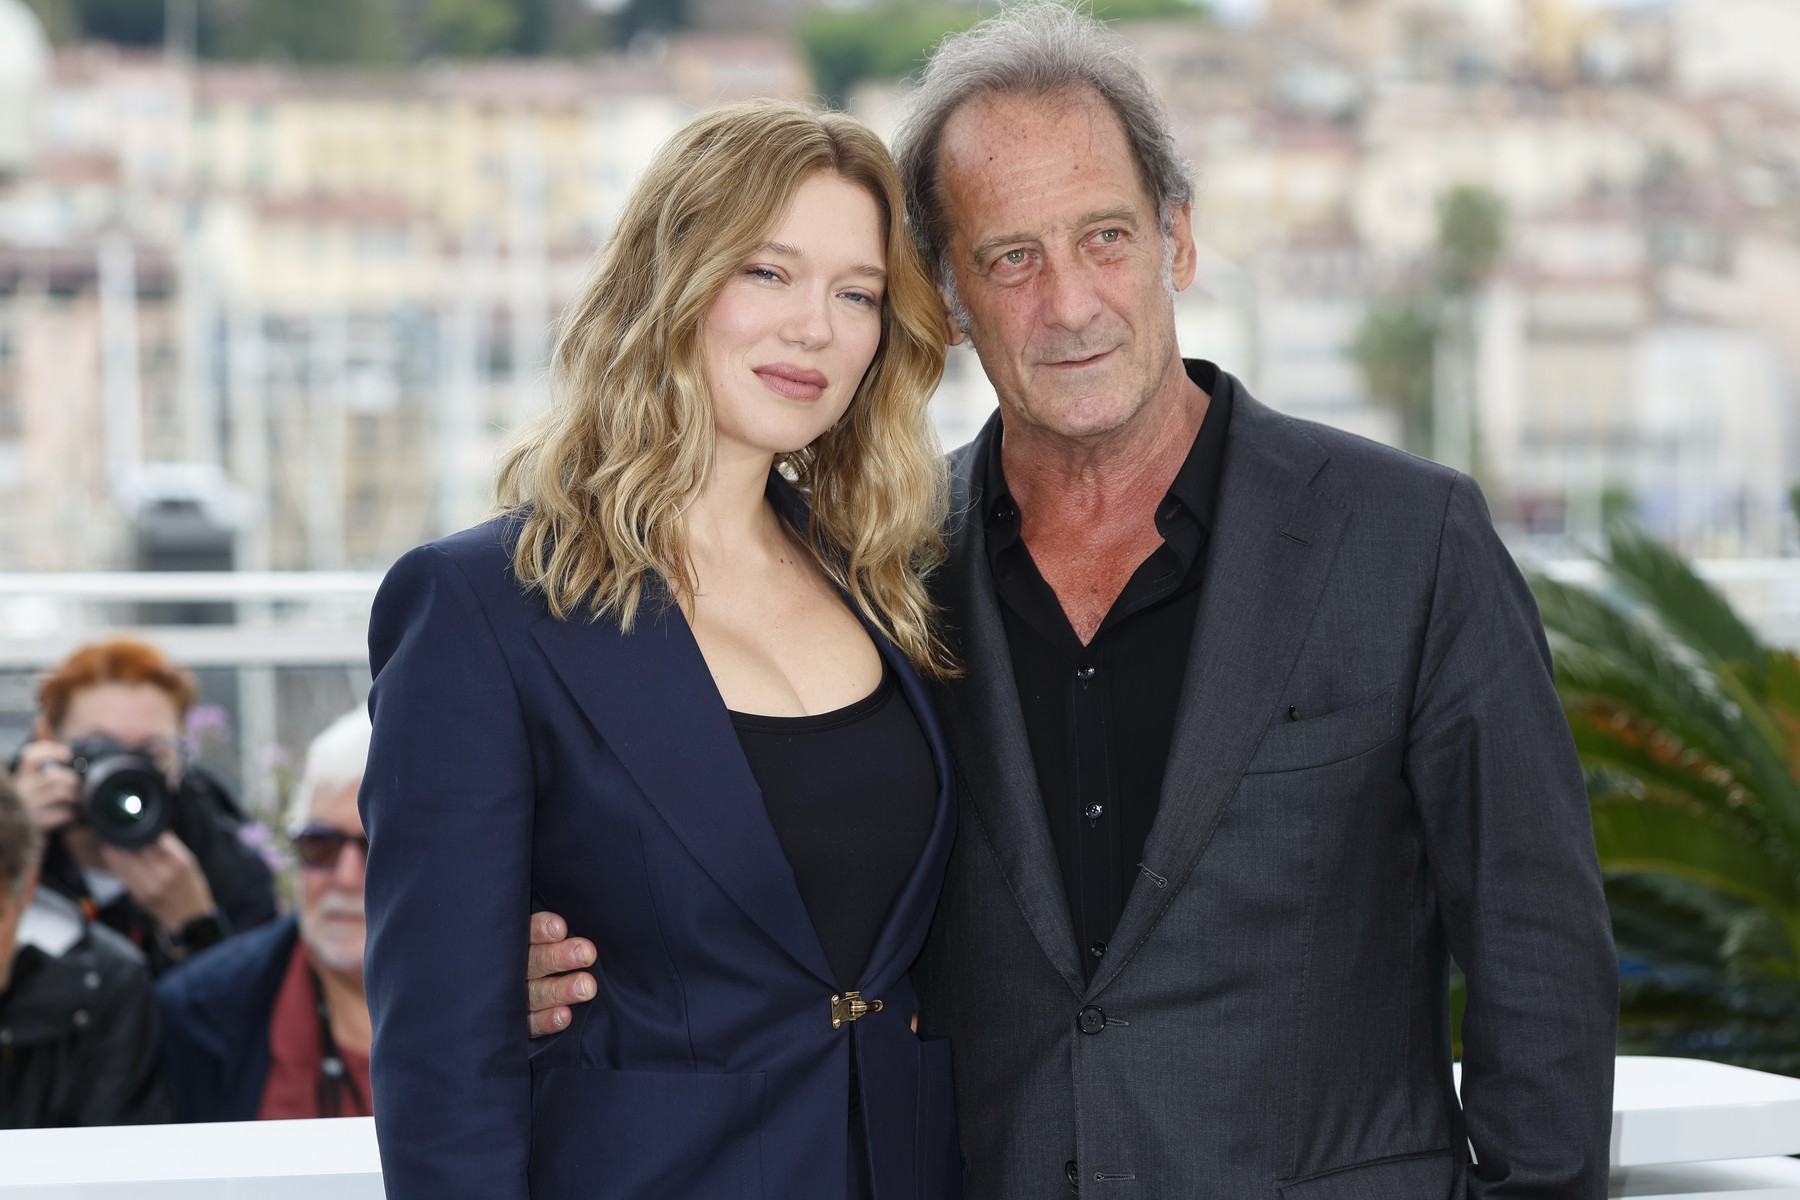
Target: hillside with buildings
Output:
[(305, 304)]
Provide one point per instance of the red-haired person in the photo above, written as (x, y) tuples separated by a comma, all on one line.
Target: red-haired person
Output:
[(196, 882)]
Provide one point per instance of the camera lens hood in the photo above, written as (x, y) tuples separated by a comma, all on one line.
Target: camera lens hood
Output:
[(125, 800)]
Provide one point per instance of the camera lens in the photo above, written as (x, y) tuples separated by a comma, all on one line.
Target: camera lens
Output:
[(126, 801)]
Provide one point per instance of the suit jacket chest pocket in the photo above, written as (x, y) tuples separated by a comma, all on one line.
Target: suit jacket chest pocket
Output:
[(1334, 737)]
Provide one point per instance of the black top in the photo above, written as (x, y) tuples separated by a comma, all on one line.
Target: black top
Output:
[(852, 795), (1100, 717)]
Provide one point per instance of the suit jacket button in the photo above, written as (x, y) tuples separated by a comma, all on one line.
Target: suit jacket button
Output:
[(1070, 1171), (1091, 1020)]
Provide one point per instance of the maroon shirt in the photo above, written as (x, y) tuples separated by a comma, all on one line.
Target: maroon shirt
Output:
[(296, 1050)]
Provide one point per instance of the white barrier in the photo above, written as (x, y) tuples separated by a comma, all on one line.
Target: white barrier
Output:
[(1682, 1130), (251, 1160)]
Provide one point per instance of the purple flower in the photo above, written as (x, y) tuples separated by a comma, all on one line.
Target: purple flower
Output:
[(205, 722), (256, 836)]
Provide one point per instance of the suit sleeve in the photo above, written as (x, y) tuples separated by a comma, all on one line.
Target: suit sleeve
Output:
[(1511, 850), (447, 800)]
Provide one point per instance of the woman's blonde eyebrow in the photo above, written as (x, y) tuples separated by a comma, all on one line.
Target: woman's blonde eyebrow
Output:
[(782, 248)]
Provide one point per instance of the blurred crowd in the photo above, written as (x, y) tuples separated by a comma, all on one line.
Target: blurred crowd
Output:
[(148, 970)]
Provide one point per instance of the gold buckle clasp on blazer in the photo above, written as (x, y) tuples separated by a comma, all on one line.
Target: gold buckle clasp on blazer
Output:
[(850, 1006)]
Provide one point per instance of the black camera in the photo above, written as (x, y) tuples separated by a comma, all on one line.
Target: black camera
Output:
[(124, 797)]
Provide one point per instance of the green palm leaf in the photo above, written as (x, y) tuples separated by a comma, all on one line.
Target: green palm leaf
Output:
[(1660, 779), (1702, 847), (1688, 731), (1683, 602), (1707, 727)]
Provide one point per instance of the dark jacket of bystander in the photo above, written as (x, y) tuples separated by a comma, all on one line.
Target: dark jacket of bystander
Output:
[(215, 1023), (78, 1026)]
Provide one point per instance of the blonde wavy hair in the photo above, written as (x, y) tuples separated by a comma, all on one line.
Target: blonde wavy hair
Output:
[(599, 483)]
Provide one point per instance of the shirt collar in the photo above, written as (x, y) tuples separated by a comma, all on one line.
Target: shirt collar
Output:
[(1194, 490)]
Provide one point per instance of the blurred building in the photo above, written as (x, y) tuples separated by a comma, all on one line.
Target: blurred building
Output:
[(338, 285), (335, 289), (24, 63), (1735, 45)]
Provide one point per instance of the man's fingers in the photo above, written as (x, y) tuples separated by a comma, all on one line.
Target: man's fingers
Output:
[(549, 993), (547, 927), (553, 1020), (574, 954), (557, 957), (558, 991)]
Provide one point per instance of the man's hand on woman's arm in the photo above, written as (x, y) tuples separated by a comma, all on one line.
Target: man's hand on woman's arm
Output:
[(554, 978)]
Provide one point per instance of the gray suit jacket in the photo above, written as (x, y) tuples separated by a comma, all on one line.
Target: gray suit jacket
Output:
[(1271, 1019)]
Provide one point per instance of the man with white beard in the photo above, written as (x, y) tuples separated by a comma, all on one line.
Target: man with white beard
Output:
[(272, 1024)]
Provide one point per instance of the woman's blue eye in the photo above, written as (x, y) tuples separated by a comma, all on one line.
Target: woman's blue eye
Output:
[(763, 273)]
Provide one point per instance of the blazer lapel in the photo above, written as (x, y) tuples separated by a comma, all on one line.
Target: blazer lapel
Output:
[(1275, 540), (991, 749), (653, 702)]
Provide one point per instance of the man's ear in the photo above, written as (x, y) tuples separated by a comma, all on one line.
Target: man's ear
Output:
[(1185, 259), (953, 334)]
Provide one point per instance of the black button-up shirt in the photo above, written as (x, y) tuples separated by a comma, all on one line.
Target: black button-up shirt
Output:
[(1100, 717)]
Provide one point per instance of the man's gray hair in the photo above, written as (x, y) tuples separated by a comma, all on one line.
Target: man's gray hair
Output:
[(335, 759), (1033, 48)]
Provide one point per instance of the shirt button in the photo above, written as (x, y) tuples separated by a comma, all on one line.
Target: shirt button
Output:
[(1098, 949), (1084, 672), (1091, 1019), (1093, 811), (1004, 511), (1071, 1171)]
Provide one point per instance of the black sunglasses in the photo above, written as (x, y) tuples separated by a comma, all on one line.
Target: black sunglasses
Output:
[(319, 846)]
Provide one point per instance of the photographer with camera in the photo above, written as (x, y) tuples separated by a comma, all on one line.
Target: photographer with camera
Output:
[(78, 1040), (143, 840)]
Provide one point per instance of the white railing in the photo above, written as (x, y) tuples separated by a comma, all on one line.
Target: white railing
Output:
[(283, 618), (1682, 1130)]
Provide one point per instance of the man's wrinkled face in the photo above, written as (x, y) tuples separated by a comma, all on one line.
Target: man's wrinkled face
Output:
[(13, 903), (331, 897), (1060, 261), (139, 715)]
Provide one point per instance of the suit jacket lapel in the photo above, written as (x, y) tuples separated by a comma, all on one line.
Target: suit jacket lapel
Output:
[(652, 700), (988, 741), (1274, 543)]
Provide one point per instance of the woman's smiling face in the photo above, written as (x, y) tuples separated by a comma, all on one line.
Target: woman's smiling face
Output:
[(789, 338)]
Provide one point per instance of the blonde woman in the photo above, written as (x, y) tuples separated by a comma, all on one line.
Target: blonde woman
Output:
[(676, 692)]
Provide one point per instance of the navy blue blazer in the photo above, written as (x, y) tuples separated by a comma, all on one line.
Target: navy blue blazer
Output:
[(522, 762)]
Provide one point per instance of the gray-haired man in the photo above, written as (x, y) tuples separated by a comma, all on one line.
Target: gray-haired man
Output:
[(1258, 729)]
